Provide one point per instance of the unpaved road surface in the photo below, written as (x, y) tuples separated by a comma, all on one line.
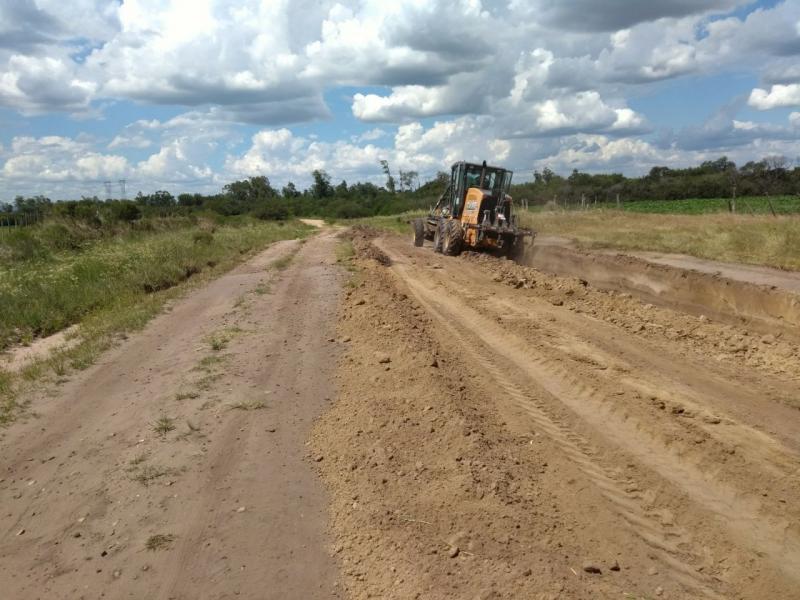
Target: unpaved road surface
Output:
[(222, 501), (483, 430), (503, 433)]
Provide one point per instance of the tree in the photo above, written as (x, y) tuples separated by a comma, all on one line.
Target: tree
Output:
[(407, 180), (290, 191), (389, 179), (545, 177), (321, 188)]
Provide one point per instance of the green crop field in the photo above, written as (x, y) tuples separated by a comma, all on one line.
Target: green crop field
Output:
[(745, 205)]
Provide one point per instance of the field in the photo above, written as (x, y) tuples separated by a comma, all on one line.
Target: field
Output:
[(745, 205), (757, 240)]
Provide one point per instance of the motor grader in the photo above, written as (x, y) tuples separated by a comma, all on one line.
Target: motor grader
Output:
[(475, 212)]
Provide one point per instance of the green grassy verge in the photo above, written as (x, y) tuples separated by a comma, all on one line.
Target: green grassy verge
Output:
[(758, 240), (745, 205), (113, 286), (395, 223)]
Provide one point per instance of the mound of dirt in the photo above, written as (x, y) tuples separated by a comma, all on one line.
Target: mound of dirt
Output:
[(361, 236), (770, 349)]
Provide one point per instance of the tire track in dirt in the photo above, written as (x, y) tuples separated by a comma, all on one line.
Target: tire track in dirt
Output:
[(486, 342), (666, 542)]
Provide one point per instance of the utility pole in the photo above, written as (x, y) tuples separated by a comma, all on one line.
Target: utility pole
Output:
[(122, 183)]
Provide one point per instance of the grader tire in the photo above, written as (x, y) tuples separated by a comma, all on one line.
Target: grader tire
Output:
[(453, 238), (437, 237), (419, 232)]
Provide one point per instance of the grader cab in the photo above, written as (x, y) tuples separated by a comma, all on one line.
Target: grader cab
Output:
[(475, 212)]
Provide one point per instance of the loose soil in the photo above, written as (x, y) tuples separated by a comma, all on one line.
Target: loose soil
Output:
[(504, 433)]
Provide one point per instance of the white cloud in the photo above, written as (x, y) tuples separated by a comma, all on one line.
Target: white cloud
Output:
[(32, 84), (59, 159), (778, 96)]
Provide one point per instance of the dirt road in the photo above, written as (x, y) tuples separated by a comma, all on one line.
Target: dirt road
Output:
[(492, 432), (176, 467), (533, 437)]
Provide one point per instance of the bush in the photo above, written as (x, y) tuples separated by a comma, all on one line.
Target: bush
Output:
[(125, 211), (272, 210)]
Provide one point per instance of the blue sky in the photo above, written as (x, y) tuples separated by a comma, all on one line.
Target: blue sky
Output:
[(190, 94)]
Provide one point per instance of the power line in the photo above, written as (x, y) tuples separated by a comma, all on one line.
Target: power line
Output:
[(122, 183)]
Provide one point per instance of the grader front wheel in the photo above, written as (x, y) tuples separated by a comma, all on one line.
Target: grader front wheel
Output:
[(453, 238), (419, 232)]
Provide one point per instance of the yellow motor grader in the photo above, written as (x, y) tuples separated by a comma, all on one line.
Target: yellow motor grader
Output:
[(475, 212)]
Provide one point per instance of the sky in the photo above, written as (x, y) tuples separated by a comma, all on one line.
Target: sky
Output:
[(188, 95)]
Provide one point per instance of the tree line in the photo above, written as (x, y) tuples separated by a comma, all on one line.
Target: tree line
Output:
[(720, 178), (256, 196)]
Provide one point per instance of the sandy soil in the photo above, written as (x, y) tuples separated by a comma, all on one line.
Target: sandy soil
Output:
[(17, 358), (98, 503), (503, 433)]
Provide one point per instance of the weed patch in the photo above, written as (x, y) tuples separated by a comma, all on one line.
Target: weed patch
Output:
[(249, 405), (164, 425), (147, 474), (160, 541)]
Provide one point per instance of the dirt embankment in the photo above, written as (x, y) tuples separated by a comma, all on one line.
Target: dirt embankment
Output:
[(504, 433), (762, 299)]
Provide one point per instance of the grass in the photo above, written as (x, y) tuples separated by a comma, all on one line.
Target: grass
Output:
[(164, 425), (217, 343), (282, 263), (111, 285), (750, 239), (249, 405), (160, 541), (345, 252), (147, 474), (745, 205), (139, 459), (396, 223), (45, 294)]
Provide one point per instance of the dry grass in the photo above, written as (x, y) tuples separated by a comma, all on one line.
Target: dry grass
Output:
[(758, 240), (160, 541)]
